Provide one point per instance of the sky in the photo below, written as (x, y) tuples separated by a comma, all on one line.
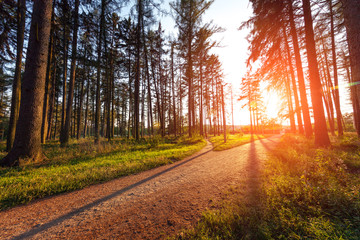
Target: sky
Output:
[(233, 54), (228, 14)]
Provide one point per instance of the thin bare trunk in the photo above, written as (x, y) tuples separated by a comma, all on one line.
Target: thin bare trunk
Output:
[(300, 74), (16, 90)]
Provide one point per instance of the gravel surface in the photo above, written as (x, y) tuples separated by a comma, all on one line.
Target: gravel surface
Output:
[(151, 205)]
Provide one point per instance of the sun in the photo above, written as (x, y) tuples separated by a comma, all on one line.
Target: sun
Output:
[(273, 104)]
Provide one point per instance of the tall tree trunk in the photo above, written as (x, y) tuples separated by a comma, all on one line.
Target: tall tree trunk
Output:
[(158, 97), (336, 81), (52, 98), (130, 95), (86, 107), (65, 59), (300, 74), (137, 71), (181, 105), (147, 72), (327, 93), (56, 116), (112, 96), (232, 111), (173, 87), (290, 104), (320, 130), (352, 23), (190, 71), (81, 99), (162, 86), (98, 76), (223, 110), (293, 82), (27, 142), (48, 81), (64, 135), (142, 123), (201, 99), (107, 103), (16, 90)]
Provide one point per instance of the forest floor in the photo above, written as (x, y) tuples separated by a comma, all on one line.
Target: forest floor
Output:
[(153, 204)]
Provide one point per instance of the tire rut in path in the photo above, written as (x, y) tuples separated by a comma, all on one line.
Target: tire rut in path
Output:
[(149, 205)]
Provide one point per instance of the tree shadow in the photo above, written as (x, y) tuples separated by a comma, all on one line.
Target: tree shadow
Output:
[(266, 145), (253, 180), (254, 197), (59, 220)]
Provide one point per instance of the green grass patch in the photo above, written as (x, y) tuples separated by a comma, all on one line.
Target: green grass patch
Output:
[(306, 193), (83, 163), (348, 149), (233, 140)]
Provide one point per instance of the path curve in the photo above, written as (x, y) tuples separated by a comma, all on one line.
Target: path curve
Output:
[(149, 205)]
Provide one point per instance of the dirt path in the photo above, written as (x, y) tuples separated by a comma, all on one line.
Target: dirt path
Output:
[(150, 205)]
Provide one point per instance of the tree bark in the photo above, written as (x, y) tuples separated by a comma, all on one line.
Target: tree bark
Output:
[(290, 104), (148, 81), (173, 88), (16, 91), (52, 98), (98, 76), (27, 142), (48, 81), (81, 99), (64, 136), (300, 74), (320, 130), (352, 23), (190, 71), (223, 110), (327, 88), (293, 82), (137, 72), (86, 106), (336, 81), (65, 59)]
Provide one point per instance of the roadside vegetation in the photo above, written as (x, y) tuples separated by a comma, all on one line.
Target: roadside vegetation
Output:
[(83, 163), (233, 140), (305, 193)]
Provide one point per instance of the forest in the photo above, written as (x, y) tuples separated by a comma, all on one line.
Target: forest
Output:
[(84, 80), (106, 75)]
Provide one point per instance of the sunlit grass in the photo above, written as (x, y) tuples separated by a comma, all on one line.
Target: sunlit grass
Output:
[(306, 193), (83, 163), (233, 140), (348, 149)]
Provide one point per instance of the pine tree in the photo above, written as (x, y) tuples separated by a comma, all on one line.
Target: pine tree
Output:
[(27, 142), (16, 90), (320, 130)]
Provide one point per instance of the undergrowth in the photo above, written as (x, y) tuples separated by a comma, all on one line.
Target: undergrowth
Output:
[(306, 193), (82, 163)]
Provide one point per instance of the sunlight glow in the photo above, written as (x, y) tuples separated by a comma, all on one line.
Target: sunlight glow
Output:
[(272, 104)]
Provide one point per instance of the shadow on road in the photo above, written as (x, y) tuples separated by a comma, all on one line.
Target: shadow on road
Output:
[(71, 214), (253, 181), (253, 195)]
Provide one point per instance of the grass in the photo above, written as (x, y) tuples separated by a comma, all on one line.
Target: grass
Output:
[(83, 163), (233, 140), (305, 193)]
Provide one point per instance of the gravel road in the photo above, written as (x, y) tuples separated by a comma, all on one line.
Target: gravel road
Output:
[(150, 205)]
